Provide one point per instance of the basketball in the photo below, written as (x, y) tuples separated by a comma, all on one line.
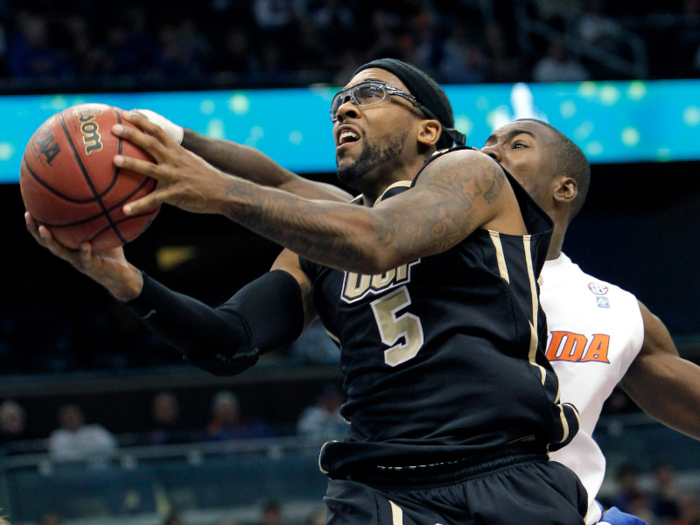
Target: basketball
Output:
[(70, 184)]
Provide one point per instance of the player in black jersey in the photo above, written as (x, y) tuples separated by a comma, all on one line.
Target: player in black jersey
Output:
[(428, 283)]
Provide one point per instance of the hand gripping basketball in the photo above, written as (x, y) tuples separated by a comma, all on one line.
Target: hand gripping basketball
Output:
[(184, 179), (108, 268), (175, 132)]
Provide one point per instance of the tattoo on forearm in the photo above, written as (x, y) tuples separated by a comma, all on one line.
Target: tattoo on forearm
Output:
[(429, 219)]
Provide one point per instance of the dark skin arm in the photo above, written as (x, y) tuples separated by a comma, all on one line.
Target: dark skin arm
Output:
[(254, 166), (455, 195), (664, 385)]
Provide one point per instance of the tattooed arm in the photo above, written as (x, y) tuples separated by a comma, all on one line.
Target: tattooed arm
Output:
[(454, 195), (253, 165)]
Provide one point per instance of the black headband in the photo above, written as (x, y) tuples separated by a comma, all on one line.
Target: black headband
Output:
[(426, 95)]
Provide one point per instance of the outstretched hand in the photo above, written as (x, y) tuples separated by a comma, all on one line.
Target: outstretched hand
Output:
[(184, 179), (110, 268)]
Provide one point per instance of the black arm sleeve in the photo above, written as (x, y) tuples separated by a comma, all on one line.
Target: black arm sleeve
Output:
[(226, 340)]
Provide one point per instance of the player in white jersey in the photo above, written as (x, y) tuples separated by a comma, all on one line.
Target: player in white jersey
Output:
[(596, 332), (600, 335)]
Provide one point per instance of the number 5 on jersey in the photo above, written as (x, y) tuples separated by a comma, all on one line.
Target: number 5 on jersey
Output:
[(392, 328)]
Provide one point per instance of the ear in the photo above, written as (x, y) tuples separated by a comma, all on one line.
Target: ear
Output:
[(566, 190), (429, 132)]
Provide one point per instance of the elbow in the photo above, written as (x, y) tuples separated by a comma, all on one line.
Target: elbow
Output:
[(376, 261)]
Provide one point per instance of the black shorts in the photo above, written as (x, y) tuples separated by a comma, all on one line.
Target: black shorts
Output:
[(535, 491)]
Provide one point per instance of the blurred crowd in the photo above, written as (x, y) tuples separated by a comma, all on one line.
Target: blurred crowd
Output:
[(248, 42), (659, 501), (271, 513), (75, 439)]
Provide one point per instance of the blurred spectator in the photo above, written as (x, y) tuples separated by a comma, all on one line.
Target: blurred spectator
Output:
[(311, 51), (468, 65), (429, 42), (317, 517), (227, 522), (13, 429), (31, 53), (664, 502), (227, 422), (549, 10), (50, 519), (380, 35), (323, 350), (271, 514), (690, 512), (503, 66), (640, 506), (184, 50), (237, 55), (597, 28), (173, 519), (323, 421), (557, 66), (627, 488), (314, 346), (273, 16), (166, 422), (75, 440), (336, 22), (12, 421)]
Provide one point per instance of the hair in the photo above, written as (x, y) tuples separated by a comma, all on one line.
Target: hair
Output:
[(11, 406), (572, 162), (224, 397)]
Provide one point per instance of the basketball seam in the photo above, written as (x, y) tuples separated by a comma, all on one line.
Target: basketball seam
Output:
[(123, 219), (101, 204), (97, 216), (54, 191)]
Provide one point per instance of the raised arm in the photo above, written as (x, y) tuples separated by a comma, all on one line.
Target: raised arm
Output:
[(246, 162), (663, 384), (455, 195)]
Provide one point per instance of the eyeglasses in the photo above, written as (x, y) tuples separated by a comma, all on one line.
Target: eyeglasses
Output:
[(369, 93), (372, 93)]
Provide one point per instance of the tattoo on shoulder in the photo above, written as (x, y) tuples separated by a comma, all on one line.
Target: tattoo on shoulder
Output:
[(487, 176)]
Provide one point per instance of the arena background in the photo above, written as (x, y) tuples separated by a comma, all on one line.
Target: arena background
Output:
[(624, 92)]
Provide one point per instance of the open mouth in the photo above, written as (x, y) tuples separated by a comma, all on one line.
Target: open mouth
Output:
[(347, 137)]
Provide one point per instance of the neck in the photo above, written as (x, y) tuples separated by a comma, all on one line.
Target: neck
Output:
[(557, 241), (388, 176)]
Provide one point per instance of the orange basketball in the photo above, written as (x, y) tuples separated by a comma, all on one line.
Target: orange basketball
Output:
[(70, 184)]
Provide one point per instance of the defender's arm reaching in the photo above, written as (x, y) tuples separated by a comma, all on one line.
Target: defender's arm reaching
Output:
[(663, 384), (245, 162)]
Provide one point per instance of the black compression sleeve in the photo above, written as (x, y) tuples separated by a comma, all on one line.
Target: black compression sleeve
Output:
[(273, 308), (221, 340)]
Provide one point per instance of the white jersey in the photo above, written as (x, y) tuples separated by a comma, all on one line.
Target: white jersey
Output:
[(595, 332)]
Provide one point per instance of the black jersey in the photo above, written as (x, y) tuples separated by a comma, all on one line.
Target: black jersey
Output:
[(443, 356)]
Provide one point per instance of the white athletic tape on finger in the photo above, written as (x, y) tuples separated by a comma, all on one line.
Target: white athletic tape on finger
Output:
[(175, 132)]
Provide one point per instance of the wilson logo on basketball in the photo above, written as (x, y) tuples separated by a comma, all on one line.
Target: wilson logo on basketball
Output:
[(47, 146), (91, 132), (568, 346)]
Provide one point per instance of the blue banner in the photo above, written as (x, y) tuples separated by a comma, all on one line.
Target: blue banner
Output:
[(611, 121)]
